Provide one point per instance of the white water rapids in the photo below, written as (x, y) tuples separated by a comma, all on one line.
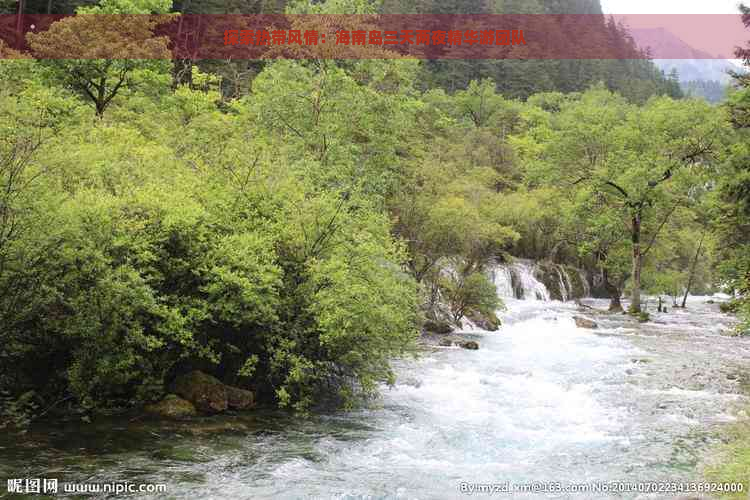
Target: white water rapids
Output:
[(541, 400)]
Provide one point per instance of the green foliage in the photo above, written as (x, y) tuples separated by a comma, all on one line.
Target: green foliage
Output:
[(16, 413), (127, 7), (148, 247), (114, 52), (731, 205), (467, 294), (627, 169), (643, 317), (290, 234)]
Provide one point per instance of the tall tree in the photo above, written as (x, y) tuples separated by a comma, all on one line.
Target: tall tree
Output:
[(109, 48), (640, 162)]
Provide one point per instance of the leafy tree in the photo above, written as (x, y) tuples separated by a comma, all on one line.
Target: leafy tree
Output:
[(731, 217), (465, 294), (639, 163), (114, 51)]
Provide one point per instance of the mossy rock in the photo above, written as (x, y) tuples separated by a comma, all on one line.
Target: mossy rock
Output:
[(459, 342), (576, 282), (547, 274), (469, 344), (437, 326), (207, 393), (239, 399), (489, 322), (173, 407), (642, 317)]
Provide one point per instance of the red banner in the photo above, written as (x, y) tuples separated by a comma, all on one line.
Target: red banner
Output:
[(580, 36)]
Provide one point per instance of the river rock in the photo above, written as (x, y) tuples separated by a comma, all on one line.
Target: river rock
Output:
[(173, 407), (469, 344), (239, 399), (459, 342), (585, 322), (207, 393), (489, 322), (438, 326)]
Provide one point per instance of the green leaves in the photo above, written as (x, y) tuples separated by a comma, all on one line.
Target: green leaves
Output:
[(100, 55), (619, 163), (171, 234), (474, 293)]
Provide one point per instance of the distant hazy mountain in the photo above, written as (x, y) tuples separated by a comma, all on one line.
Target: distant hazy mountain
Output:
[(700, 69), (693, 65)]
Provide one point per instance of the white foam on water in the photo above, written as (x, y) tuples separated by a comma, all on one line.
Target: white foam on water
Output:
[(541, 400)]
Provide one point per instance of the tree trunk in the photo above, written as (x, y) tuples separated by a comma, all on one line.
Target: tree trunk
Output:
[(182, 73), (614, 304), (692, 270), (19, 24), (613, 291), (635, 299)]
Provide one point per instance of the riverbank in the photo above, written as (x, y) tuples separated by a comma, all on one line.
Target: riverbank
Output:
[(541, 400), (732, 461)]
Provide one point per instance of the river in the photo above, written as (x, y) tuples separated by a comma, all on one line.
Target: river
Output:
[(542, 400)]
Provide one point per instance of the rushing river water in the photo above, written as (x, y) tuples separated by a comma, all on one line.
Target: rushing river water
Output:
[(542, 400)]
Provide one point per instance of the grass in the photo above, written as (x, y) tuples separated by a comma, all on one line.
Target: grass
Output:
[(733, 462)]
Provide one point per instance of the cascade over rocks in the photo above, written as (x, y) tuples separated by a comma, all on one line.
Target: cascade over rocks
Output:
[(528, 280)]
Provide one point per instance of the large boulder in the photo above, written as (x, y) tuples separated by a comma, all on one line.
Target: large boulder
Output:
[(239, 399), (437, 326), (585, 322), (173, 407), (207, 393), (489, 322), (469, 344)]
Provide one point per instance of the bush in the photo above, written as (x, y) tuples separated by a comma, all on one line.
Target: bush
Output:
[(472, 293), (730, 307), (135, 276)]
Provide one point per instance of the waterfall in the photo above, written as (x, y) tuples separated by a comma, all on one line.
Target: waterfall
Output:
[(528, 280), (518, 281), (585, 282), (533, 289), (501, 276), (566, 289)]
